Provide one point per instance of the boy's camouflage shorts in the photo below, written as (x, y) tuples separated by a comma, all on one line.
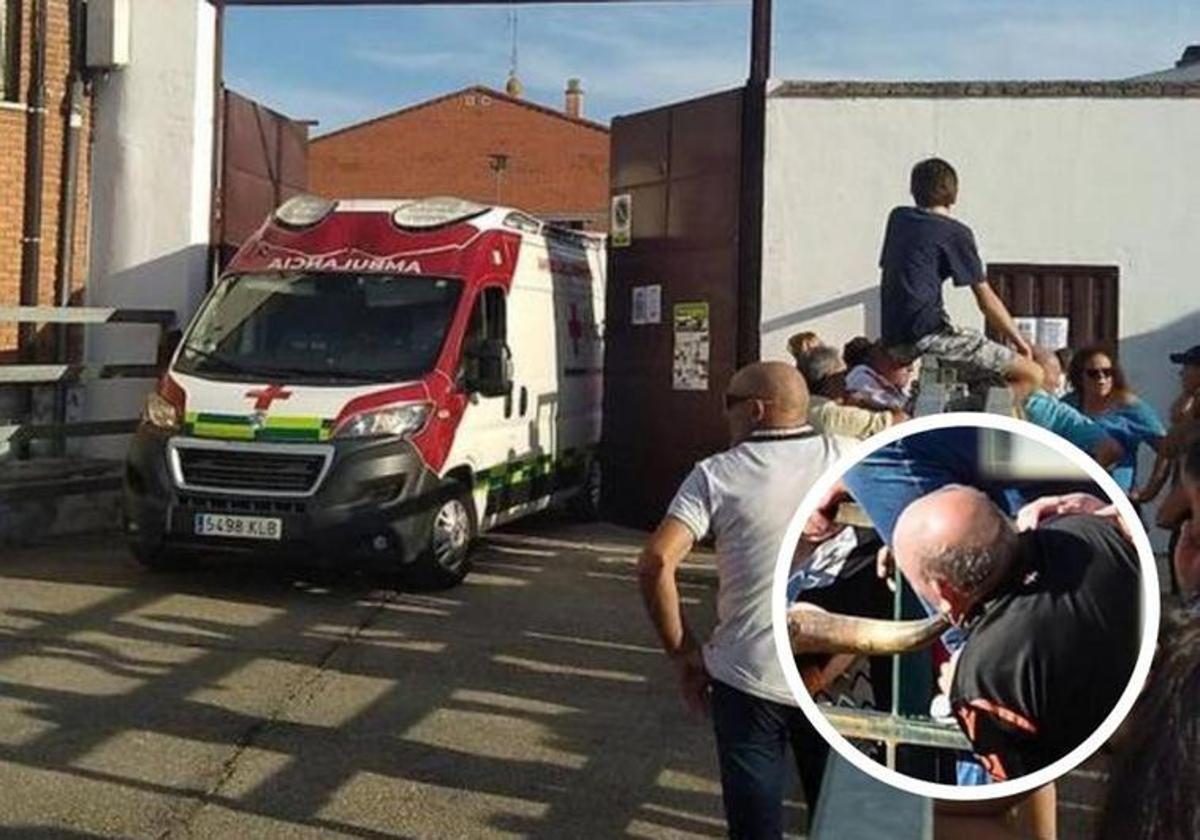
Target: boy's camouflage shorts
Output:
[(975, 355)]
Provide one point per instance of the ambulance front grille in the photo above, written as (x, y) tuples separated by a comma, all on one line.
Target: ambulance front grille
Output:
[(250, 471)]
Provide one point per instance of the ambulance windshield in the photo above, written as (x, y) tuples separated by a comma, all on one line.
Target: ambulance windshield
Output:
[(321, 327)]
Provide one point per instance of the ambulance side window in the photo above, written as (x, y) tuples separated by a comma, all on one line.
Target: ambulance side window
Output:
[(488, 318)]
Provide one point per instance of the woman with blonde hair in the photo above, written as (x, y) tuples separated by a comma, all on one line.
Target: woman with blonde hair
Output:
[(802, 342)]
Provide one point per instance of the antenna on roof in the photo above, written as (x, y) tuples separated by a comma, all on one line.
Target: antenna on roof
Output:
[(513, 85)]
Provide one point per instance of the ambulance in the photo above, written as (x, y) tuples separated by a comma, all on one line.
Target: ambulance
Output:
[(376, 380)]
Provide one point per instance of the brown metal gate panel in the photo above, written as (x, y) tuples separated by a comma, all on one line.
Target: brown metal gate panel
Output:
[(681, 165), (1085, 294), (264, 163)]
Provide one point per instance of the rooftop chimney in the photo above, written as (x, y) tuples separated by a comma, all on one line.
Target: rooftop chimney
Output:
[(1191, 55), (574, 99)]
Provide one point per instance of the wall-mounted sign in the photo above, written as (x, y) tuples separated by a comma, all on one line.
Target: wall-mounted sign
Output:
[(1050, 332), (690, 368), (620, 226), (1027, 327), (647, 305), (1053, 332)]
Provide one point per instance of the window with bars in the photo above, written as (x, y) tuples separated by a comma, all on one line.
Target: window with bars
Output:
[(1061, 305)]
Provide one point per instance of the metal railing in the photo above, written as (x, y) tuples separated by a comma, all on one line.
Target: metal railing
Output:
[(73, 477)]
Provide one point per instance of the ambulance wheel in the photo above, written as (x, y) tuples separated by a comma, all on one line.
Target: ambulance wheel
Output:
[(585, 505), (452, 531)]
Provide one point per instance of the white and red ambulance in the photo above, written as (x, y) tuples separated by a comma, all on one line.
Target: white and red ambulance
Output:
[(377, 379)]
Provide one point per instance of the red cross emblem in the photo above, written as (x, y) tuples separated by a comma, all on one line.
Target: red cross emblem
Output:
[(264, 398), (575, 328)]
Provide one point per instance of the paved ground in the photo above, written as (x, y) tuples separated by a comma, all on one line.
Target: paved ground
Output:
[(240, 701)]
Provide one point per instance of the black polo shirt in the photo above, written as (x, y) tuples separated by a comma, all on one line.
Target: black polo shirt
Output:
[(921, 249), (1046, 659)]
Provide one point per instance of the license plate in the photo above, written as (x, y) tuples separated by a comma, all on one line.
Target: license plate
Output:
[(246, 527)]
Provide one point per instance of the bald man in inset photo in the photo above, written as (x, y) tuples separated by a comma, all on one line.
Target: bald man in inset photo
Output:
[(1051, 617)]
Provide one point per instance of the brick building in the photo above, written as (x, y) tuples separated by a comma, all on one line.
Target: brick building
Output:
[(17, 45), (476, 143)]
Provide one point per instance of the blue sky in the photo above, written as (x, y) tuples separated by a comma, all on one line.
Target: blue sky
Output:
[(340, 66)]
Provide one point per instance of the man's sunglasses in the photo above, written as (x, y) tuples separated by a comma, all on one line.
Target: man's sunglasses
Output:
[(1099, 373)]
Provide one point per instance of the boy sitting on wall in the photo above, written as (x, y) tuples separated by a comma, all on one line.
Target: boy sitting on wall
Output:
[(922, 247)]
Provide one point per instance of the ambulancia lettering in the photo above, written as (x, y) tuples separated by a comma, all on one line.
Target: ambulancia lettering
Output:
[(335, 263)]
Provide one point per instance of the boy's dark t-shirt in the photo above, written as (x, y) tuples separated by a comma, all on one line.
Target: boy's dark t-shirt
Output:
[(1046, 660), (920, 250)]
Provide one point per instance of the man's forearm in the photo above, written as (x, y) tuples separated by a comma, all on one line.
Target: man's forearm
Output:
[(661, 596)]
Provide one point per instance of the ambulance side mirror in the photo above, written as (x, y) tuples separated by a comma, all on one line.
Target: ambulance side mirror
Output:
[(488, 368)]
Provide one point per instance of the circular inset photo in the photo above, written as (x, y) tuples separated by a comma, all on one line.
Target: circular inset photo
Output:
[(966, 606)]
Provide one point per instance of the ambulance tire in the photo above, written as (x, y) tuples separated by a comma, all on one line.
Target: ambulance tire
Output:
[(585, 505), (446, 559)]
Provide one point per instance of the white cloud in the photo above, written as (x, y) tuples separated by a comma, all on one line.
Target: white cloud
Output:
[(394, 59)]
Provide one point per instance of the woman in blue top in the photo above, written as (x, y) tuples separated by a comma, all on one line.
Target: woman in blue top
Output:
[(1101, 392)]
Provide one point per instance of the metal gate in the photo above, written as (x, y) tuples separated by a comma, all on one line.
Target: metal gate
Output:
[(264, 162)]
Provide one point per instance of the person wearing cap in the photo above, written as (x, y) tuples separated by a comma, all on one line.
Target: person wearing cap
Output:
[(1185, 428), (1185, 554)]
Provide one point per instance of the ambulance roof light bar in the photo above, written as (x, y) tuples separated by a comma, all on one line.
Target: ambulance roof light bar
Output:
[(301, 211), (435, 212)]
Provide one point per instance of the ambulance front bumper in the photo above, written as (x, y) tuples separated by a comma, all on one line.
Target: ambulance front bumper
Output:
[(337, 500)]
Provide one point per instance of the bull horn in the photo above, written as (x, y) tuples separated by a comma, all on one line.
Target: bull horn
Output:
[(814, 630)]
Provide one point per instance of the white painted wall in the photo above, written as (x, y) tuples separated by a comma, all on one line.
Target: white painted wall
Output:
[(1095, 181), (151, 190)]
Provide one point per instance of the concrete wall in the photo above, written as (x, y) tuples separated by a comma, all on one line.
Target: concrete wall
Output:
[(151, 189), (1042, 180)]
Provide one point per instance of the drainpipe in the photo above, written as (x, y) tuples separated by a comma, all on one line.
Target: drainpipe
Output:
[(35, 135), (68, 205), (216, 223), (750, 209), (31, 228)]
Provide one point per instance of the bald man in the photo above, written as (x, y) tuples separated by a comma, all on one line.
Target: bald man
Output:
[(746, 497), (1051, 620)]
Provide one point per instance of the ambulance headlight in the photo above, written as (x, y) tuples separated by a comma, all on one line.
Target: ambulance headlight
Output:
[(159, 412), (396, 420)]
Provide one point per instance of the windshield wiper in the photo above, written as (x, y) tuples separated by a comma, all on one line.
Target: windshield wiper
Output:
[(269, 371), (218, 358)]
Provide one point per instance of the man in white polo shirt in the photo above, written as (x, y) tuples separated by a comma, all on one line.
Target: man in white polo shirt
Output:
[(746, 496)]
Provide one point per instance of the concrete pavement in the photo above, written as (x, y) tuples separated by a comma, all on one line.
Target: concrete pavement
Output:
[(235, 700)]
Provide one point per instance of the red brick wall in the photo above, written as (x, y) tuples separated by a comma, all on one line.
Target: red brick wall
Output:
[(555, 165), (12, 171)]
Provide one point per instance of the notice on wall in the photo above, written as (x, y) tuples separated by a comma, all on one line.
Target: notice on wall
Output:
[(1052, 332), (690, 369), (1028, 328), (647, 305), (620, 224)]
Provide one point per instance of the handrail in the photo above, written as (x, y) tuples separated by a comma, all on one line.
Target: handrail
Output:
[(84, 315), (62, 374)]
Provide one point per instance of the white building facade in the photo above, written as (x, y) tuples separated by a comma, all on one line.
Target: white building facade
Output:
[(1055, 174)]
